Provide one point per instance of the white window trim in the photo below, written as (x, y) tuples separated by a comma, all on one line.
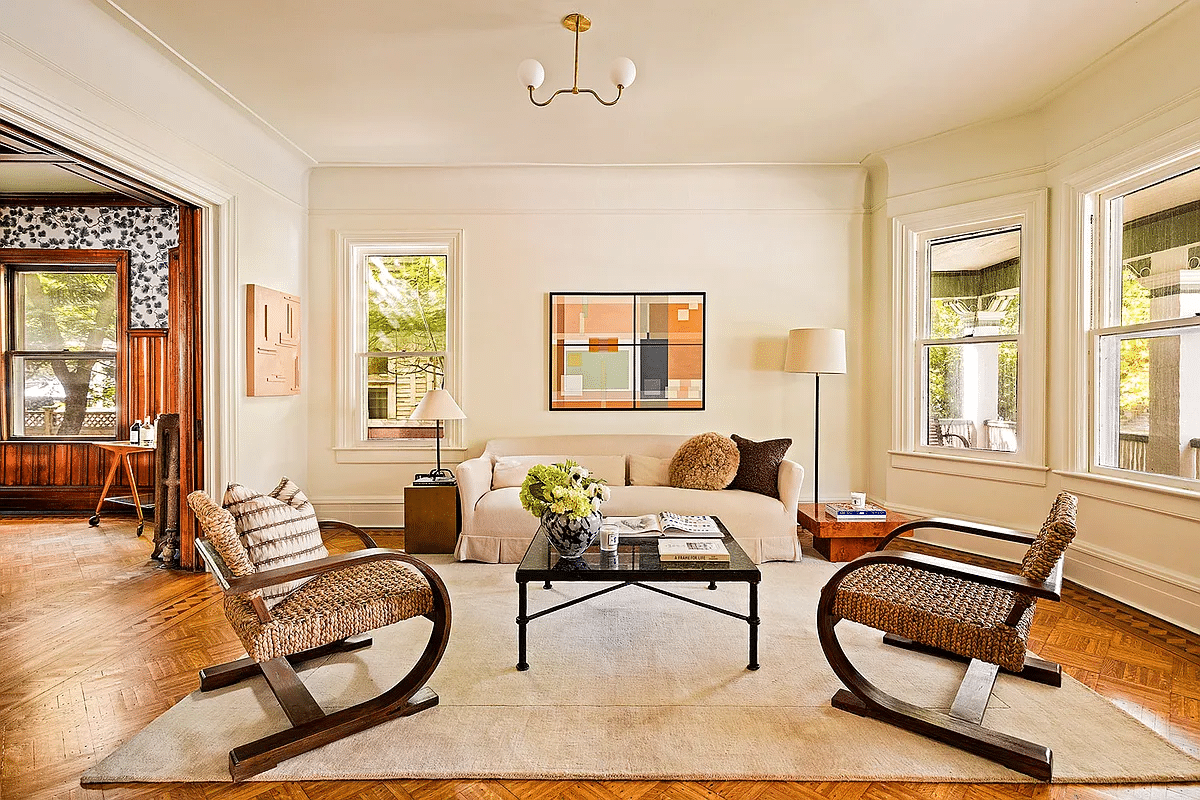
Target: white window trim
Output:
[(351, 251), (1094, 284), (909, 233)]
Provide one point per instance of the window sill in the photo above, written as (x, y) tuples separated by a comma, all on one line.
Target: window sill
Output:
[(969, 467), (1179, 503), (397, 454)]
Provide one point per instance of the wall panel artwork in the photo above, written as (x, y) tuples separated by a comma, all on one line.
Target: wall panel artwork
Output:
[(627, 352)]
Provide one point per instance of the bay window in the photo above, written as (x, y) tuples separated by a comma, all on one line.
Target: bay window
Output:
[(1145, 336), (970, 332)]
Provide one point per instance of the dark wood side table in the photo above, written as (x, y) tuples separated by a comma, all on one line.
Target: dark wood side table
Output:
[(845, 541), (432, 518)]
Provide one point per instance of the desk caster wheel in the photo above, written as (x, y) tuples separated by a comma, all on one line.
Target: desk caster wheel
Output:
[(141, 526), (94, 521)]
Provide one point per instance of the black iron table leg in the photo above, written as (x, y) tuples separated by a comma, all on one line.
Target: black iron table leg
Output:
[(712, 585), (752, 619), (522, 621)]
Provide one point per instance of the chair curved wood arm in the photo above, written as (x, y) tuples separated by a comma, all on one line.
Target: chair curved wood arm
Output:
[(338, 525), (959, 526), (355, 591), (952, 609)]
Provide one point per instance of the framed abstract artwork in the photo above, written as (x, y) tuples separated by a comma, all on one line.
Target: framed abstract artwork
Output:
[(622, 351)]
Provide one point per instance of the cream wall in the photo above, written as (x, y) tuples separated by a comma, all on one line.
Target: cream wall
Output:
[(774, 248), (1138, 545), (76, 75)]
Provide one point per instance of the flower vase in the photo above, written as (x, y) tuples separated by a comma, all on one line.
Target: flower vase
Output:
[(571, 535)]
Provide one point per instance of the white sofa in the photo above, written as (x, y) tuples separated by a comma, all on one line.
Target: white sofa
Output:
[(496, 529)]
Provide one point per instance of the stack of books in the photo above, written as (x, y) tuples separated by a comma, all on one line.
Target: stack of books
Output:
[(691, 550), (845, 512)]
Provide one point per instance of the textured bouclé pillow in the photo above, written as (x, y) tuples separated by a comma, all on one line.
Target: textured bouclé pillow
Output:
[(758, 465), (707, 461), (277, 530)]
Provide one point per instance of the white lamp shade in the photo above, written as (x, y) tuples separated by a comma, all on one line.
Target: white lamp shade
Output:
[(531, 73), (622, 72), (437, 404), (816, 350)]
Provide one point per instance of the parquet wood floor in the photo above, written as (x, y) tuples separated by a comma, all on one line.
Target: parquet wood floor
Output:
[(96, 643)]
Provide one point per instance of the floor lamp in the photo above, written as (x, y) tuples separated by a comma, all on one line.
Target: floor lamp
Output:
[(438, 404), (816, 350)]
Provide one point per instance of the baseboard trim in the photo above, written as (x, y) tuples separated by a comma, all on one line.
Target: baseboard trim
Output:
[(365, 512), (1171, 596)]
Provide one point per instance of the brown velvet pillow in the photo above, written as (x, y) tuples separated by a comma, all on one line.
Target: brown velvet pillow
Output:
[(707, 461), (758, 465)]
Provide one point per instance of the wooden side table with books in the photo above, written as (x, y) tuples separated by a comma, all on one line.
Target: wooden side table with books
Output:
[(845, 541)]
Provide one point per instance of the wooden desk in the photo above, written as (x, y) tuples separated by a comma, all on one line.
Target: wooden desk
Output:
[(431, 518), (121, 453), (845, 541)]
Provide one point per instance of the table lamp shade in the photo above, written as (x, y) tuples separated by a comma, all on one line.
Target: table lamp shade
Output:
[(816, 350), (437, 404)]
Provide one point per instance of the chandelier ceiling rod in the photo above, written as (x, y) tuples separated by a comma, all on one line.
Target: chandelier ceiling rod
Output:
[(531, 73)]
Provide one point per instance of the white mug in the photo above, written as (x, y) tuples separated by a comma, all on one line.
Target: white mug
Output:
[(858, 499)]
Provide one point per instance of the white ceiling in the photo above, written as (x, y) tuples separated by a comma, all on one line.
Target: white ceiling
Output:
[(418, 82), (22, 178)]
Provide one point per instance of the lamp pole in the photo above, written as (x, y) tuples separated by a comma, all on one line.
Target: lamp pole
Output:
[(817, 444)]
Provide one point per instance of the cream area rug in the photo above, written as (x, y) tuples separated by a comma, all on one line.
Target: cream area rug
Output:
[(639, 686)]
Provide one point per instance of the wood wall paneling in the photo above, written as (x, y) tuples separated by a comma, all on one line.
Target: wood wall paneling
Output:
[(151, 388)]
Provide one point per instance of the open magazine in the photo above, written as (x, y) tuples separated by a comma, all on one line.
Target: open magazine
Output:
[(664, 524)]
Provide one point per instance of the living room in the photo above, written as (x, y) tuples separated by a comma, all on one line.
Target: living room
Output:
[(803, 224)]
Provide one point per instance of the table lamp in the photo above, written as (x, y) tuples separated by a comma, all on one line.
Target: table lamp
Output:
[(816, 350), (437, 404)]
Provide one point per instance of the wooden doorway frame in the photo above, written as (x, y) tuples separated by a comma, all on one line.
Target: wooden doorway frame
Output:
[(183, 366), (185, 342)]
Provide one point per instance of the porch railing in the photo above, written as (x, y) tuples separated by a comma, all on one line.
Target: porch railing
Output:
[(47, 421)]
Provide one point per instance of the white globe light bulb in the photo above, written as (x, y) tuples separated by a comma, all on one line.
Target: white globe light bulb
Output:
[(622, 72), (531, 73)]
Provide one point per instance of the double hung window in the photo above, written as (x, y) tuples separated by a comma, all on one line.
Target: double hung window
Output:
[(1146, 328), (969, 352), (65, 318), (399, 338), (969, 357), (405, 353)]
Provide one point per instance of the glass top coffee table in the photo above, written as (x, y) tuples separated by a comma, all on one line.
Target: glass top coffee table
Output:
[(635, 563)]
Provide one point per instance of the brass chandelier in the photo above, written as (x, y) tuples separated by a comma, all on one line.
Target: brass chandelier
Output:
[(531, 73)]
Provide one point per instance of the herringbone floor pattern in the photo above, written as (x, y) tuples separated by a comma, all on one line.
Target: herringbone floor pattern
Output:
[(95, 643)]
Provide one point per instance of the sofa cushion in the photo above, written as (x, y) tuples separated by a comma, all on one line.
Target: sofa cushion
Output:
[(758, 465), (277, 530), (510, 471), (706, 461), (649, 471)]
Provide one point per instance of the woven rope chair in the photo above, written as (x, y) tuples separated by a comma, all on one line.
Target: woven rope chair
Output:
[(347, 595), (957, 610)]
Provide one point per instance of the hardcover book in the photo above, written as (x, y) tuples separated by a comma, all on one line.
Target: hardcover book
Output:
[(691, 550), (845, 511), (664, 524)]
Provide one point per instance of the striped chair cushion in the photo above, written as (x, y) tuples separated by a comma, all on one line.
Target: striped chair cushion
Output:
[(277, 530)]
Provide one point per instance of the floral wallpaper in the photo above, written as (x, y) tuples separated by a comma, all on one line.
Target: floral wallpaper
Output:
[(147, 233)]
